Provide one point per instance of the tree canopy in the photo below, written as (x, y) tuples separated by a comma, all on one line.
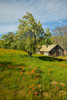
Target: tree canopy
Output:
[(29, 33)]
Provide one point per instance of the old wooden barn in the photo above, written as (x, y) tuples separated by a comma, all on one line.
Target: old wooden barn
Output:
[(52, 50)]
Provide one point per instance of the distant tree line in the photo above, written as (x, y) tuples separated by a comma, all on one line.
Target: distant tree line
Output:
[(60, 36)]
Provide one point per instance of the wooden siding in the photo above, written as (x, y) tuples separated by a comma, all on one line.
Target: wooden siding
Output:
[(56, 51), (42, 52)]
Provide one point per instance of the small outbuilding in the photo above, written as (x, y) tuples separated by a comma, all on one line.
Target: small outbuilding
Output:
[(52, 50)]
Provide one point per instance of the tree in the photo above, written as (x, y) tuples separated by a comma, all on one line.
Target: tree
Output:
[(29, 33), (60, 36), (1, 43), (46, 39), (7, 40)]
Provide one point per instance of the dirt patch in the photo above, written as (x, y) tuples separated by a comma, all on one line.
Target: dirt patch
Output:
[(53, 82)]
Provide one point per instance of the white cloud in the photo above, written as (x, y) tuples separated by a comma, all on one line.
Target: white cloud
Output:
[(43, 10)]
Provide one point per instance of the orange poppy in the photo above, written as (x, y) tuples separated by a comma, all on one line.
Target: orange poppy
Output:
[(28, 73), (22, 68), (36, 73), (29, 86), (57, 88), (63, 85), (5, 72), (23, 77), (15, 66), (39, 85), (29, 92), (32, 88), (21, 73), (35, 93)]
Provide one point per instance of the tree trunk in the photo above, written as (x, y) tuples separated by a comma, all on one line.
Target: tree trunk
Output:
[(34, 42), (29, 54)]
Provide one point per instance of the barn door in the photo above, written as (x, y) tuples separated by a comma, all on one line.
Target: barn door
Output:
[(42, 52), (57, 53)]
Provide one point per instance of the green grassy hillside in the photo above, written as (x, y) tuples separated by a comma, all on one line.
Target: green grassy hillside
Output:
[(32, 78)]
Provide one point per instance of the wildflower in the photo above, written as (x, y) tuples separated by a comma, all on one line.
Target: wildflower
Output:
[(35, 78), (35, 93), (15, 66), (41, 69), (33, 85), (5, 72), (28, 73), (29, 86), (32, 88), (9, 66), (13, 60), (35, 69), (29, 92), (39, 85), (20, 70), (63, 85), (21, 73), (57, 88), (36, 73), (23, 77)]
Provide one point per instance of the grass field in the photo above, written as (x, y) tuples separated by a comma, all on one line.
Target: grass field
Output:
[(32, 78)]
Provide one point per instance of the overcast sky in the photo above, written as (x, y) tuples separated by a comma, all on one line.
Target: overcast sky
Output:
[(51, 13)]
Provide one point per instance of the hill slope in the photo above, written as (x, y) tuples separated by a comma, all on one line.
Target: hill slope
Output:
[(31, 78)]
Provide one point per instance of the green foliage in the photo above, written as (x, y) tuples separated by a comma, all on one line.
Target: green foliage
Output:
[(46, 38), (29, 35), (7, 40), (29, 31)]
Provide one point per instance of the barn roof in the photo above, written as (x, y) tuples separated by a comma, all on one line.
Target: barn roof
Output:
[(47, 49)]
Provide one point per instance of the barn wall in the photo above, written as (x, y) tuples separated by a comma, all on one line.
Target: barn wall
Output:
[(38, 52), (42, 52), (46, 53), (57, 51)]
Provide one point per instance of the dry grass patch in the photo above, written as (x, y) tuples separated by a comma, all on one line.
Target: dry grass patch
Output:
[(62, 93), (46, 94)]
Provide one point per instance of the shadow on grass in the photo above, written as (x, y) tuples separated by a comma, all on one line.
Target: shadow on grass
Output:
[(46, 58), (21, 64), (23, 55), (5, 62)]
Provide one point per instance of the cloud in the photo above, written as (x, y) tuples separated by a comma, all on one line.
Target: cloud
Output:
[(8, 28), (47, 11)]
